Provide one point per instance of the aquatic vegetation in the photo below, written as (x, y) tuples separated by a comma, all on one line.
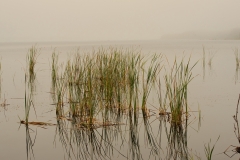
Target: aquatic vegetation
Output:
[(30, 76), (176, 90), (150, 80), (97, 90), (208, 149), (104, 83), (107, 83), (54, 67), (31, 62)]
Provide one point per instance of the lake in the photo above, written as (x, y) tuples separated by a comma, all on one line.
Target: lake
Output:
[(212, 101)]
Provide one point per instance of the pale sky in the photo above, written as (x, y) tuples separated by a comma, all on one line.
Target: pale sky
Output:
[(106, 20)]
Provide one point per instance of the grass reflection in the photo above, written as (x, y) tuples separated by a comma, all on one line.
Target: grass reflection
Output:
[(29, 143)]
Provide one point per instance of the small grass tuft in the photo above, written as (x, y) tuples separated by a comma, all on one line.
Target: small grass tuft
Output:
[(209, 150)]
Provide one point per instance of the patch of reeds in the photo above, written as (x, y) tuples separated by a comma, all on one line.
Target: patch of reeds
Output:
[(104, 83), (177, 82), (107, 84), (31, 62)]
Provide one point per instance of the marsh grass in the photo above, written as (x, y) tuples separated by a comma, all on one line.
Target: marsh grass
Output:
[(150, 80), (54, 68), (176, 89), (31, 62), (106, 84), (208, 149), (30, 86)]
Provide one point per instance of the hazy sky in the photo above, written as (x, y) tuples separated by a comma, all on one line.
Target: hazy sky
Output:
[(87, 20)]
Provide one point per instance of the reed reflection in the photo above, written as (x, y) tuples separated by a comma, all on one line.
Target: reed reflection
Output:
[(29, 143), (176, 134)]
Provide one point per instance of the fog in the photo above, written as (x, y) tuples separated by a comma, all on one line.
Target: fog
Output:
[(108, 20)]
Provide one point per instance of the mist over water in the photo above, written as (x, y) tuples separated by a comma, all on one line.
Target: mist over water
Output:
[(60, 21)]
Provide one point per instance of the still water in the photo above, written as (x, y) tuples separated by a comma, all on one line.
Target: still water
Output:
[(212, 99)]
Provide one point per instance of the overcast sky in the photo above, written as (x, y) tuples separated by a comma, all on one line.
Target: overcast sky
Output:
[(88, 20)]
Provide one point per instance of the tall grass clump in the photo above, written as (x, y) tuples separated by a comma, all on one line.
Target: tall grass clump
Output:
[(133, 72), (104, 83), (54, 67), (31, 62), (176, 89)]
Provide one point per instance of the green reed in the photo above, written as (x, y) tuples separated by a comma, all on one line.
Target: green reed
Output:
[(176, 89), (54, 67), (31, 62), (209, 149), (150, 79)]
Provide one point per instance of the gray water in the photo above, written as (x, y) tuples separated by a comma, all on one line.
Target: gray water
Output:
[(214, 91)]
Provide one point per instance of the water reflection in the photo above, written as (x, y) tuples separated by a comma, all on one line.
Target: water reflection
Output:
[(87, 142), (29, 143), (134, 148), (115, 142), (232, 148), (177, 138), (150, 138)]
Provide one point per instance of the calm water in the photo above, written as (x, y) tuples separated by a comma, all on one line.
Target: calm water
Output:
[(214, 91)]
